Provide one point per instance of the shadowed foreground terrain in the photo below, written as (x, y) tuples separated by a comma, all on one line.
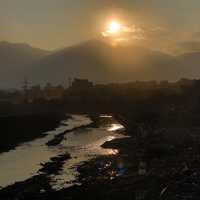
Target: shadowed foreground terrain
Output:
[(16, 129), (159, 160)]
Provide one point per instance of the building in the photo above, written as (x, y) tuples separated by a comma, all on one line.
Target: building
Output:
[(81, 84), (53, 92)]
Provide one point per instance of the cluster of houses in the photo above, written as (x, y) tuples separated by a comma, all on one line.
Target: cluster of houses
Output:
[(50, 92), (80, 87)]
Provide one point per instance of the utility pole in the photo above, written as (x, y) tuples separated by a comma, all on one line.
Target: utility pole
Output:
[(25, 87)]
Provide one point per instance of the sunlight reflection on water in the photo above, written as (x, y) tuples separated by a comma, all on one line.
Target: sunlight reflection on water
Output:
[(115, 127), (106, 116), (84, 144), (24, 161)]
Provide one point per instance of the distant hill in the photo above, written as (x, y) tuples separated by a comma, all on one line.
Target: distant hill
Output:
[(101, 62), (95, 60), (14, 59)]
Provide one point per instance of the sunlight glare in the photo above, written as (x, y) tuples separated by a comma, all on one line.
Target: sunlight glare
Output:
[(114, 27)]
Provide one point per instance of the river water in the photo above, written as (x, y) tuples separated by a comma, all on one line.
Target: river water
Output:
[(83, 144)]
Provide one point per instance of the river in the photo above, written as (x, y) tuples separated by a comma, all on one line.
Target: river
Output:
[(82, 144)]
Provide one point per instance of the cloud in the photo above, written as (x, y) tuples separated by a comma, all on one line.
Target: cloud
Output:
[(125, 33), (156, 38), (139, 33)]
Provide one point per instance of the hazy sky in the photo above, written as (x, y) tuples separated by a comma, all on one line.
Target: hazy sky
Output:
[(54, 24)]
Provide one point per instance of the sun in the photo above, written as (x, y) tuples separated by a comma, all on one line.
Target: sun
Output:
[(114, 27)]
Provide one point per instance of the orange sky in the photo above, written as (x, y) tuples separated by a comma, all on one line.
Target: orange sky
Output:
[(54, 24)]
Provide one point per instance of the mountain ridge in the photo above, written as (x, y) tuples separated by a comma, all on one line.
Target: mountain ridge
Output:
[(98, 61)]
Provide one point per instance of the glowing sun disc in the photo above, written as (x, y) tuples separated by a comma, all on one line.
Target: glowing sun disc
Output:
[(114, 27)]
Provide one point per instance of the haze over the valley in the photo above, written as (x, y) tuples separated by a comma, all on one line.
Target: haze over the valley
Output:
[(95, 60), (104, 41)]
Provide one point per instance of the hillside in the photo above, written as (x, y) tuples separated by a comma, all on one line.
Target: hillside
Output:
[(101, 62), (95, 60), (14, 59)]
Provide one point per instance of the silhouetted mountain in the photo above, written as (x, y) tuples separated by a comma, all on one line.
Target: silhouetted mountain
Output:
[(14, 59), (95, 60), (102, 62)]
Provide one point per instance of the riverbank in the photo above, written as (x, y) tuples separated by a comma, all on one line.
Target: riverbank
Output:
[(164, 165), (91, 137), (17, 129)]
